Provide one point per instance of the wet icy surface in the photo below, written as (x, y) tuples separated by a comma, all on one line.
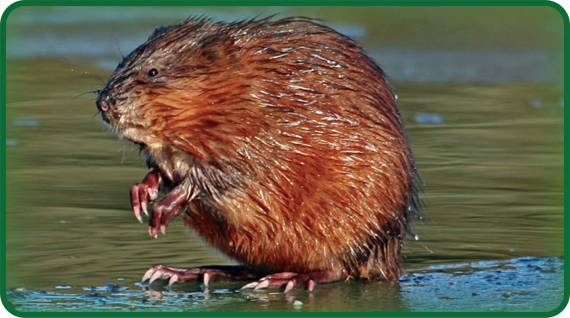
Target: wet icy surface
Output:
[(523, 284)]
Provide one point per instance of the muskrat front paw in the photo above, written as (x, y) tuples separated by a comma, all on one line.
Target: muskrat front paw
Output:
[(144, 192), (162, 209)]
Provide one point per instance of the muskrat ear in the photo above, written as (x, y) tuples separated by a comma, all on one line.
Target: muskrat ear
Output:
[(216, 48)]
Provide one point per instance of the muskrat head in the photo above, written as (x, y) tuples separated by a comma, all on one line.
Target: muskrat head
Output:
[(157, 80)]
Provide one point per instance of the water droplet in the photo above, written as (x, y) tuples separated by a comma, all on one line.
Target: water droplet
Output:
[(11, 142), (429, 118), (26, 122), (536, 102), (62, 287)]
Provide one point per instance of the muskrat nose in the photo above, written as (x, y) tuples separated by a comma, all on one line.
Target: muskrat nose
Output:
[(102, 106)]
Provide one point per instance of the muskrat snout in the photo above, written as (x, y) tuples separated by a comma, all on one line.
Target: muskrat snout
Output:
[(102, 106), (104, 100)]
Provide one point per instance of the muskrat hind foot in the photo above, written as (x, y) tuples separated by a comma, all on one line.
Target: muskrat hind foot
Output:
[(291, 280), (203, 273)]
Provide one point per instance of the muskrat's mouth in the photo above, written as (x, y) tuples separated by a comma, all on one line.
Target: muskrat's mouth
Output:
[(107, 121), (104, 118), (109, 113), (110, 124)]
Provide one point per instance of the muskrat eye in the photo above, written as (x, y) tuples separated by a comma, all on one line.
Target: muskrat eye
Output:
[(153, 72)]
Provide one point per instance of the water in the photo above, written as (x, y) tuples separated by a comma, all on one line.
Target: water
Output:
[(483, 105), (513, 285)]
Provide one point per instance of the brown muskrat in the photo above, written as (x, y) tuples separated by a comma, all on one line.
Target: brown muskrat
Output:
[(280, 143)]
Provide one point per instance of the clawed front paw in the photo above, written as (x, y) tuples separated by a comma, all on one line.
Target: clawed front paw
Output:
[(171, 204), (144, 193), (160, 217)]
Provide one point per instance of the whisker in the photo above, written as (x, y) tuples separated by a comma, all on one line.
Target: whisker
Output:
[(117, 41), (131, 154), (90, 92)]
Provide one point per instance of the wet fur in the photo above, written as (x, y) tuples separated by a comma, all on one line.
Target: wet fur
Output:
[(288, 135)]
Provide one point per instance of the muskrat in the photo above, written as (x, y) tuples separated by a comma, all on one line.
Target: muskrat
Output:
[(279, 142)]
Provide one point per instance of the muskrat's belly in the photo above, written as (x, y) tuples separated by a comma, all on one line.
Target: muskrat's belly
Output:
[(272, 250)]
